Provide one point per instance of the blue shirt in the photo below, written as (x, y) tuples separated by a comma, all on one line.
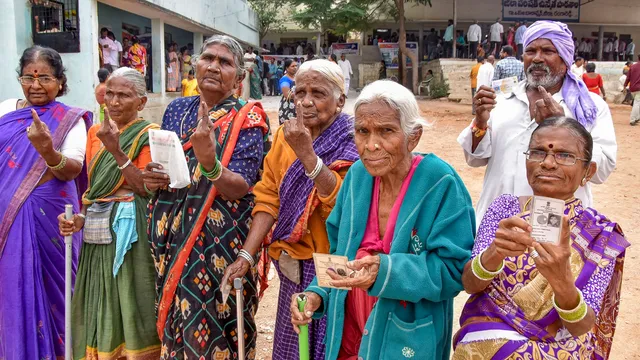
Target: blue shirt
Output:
[(509, 67), (272, 69), (286, 82), (520, 34), (448, 34)]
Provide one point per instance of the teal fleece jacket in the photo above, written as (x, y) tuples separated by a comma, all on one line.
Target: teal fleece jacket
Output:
[(418, 280)]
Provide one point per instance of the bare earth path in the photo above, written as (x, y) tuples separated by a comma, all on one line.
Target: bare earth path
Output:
[(618, 198)]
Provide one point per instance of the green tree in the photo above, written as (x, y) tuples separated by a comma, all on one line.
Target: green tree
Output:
[(269, 14)]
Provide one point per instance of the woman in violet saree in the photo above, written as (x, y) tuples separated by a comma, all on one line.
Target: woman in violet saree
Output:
[(544, 301), (113, 303), (42, 144), (406, 222), (302, 175), (196, 231)]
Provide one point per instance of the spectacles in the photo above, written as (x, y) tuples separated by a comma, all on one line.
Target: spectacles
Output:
[(561, 158), (43, 80)]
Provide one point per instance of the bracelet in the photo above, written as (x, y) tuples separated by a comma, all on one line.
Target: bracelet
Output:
[(245, 255), (61, 165), (316, 171), (82, 215), (147, 189), (480, 272), (478, 132), (215, 173), (125, 165), (574, 315)]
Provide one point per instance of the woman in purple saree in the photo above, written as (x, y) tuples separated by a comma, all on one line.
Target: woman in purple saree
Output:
[(535, 300), (42, 144)]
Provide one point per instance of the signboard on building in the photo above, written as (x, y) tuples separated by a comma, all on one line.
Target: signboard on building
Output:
[(532, 10), (344, 48), (389, 53)]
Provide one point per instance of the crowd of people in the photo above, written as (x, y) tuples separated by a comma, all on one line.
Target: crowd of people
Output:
[(151, 262)]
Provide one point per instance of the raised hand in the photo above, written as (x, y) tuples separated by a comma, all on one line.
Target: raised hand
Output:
[(546, 107), (109, 134), (485, 100), (297, 135), (203, 139), (40, 136)]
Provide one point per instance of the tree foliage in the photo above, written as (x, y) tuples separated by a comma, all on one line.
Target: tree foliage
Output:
[(339, 17), (270, 18)]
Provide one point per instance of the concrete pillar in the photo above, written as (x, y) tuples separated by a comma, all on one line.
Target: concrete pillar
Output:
[(157, 50), (600, 42), (455, 24), (15, 26), (197, 41), (421, 49)]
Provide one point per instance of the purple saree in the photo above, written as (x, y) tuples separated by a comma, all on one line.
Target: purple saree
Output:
[(513, 317), (31, 248)]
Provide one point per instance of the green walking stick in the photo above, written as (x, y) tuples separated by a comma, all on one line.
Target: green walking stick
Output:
[(303, 337)]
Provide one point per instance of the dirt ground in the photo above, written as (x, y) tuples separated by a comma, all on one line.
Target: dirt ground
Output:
[(616, 198)]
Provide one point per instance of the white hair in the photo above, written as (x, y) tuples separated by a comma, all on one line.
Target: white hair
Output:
[(398, 98), (134, 77), (329, 70)]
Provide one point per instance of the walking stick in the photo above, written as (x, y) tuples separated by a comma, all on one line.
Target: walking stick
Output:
[(303, 337), (237, 284), (68, 257)]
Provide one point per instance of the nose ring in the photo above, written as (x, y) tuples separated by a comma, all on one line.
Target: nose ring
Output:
[(376, 146)]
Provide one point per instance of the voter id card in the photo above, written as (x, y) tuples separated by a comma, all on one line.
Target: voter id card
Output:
[(546, 219), (505, 86)]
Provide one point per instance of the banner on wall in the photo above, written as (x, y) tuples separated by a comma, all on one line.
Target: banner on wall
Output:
[(390, 51), (345, 48), (558, 10)]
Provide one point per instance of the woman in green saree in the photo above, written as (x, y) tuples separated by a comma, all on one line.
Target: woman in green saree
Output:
[(113, 307)]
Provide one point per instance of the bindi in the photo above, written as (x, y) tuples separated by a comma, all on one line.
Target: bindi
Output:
[(550, 146)]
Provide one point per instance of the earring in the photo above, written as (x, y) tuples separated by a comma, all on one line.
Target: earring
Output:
[(60, 87), (338, 110), (584, 181)]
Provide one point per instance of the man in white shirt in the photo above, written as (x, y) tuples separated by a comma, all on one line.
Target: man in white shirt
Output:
[(500, 133), (345, 65), (631, 49), (299, 50), (497, 30), (117, 54), (486, 72), (474, 36), (108, 46), (608, 50), (578, 67), (582, 49), (616, 44)]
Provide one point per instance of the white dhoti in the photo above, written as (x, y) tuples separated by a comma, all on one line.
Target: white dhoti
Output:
[(346, 86), (635, 111)]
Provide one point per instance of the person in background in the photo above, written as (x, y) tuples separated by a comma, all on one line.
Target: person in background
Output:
[(432, 44), (628, 98), (272, 49), (103, 75), (509, 66), (279, 75), (190, 85), (115, 55), (474, 35), (622, 50), (195, 232), (303, 173), (273, 78), (530, 298), (44, 143), (287, 108), (474, 80), (631, 49), (255, 77), (503, 125), (448, 40), (594, 81), (520, 39), (280, 50), (616, 44), (608, 50), (113, 307), (511, 36), (108, 47), (345, 65), (299, 49), (497, 32), (333, 58), (266, 77), (633, 82), (581, 50), (138, 56), (323, 50), (382, 72), (578, 67), (173, 69), (405, 222), (461, 44), (485, 73), (186, 62), (124, 59)]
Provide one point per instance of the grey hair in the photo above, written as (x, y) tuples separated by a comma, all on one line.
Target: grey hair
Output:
[(329, 70), (134, 77), (231, 44), (398, 98)]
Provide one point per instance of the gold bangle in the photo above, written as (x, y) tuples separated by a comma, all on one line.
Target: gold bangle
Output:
[(60, 166), (478, 132)]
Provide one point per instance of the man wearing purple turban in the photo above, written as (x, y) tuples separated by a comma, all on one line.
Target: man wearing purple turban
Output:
[(499, 135)]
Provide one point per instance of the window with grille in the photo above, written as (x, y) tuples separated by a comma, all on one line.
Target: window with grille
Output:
[(55, 24)]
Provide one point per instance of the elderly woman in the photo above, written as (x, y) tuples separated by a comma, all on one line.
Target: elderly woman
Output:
[(530, 298), (302, 175), (196, 231), (406, 222), (114, 298), (43, 146)]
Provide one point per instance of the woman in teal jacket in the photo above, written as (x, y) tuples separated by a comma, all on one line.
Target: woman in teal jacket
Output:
[(408, 253)]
